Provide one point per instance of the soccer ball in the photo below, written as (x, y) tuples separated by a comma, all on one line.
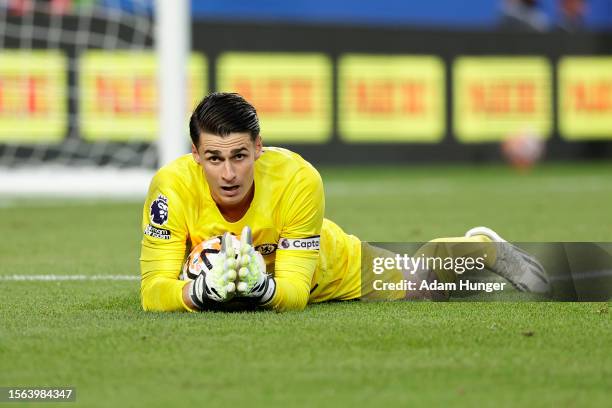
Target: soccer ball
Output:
[(523, 151), (203, 255)]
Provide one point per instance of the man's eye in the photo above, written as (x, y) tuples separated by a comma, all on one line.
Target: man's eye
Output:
[(240, 156), (214, 159)]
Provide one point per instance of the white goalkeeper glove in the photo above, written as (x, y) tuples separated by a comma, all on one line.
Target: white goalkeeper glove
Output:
[(218, 283), (253, 282)]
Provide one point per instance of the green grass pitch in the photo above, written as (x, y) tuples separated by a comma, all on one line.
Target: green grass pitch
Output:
[(93, 334)]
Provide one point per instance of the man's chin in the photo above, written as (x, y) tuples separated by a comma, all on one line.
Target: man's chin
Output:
[(224, 200)]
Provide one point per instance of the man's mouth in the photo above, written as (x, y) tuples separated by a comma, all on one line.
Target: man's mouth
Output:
[(230, 188)]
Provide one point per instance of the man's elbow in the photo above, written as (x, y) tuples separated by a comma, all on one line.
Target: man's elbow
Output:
[(290, 297), (293, 306), (144, 297)]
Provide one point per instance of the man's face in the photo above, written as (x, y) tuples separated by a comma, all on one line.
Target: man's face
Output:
[(229, 165)]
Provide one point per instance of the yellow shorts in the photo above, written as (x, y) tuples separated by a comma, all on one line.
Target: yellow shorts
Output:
[(360, 282)]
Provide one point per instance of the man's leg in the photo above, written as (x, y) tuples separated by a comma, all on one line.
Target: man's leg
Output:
[(406, 283), (438, 251), (375, 286), (519, 268)]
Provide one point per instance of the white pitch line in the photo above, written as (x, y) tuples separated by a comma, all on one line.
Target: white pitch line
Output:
[(21, 278), (17, 278)]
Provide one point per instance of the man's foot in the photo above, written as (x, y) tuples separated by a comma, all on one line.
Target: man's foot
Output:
[(521, 269)]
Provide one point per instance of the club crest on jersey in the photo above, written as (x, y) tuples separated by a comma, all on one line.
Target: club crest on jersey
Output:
[(304, 244), (159, 210), (266, 249)]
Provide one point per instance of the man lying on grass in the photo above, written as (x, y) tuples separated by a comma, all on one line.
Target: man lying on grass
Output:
[(288, 255)]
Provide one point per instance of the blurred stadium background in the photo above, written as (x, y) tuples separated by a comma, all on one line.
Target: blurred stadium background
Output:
[(383, 81)]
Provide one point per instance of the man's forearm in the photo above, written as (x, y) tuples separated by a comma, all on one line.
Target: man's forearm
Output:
[(187, 298), (293, 273), (290, 295), (165, 294)]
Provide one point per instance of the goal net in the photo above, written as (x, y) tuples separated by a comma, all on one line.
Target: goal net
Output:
[(79, 95)]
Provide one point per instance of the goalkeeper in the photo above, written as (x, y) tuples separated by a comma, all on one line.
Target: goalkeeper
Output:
[(291, 255)]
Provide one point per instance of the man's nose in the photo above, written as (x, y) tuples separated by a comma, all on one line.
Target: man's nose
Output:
[(228, 173)]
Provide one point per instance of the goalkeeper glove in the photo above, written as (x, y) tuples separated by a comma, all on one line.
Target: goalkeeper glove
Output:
[(253, 282), (216, 284)]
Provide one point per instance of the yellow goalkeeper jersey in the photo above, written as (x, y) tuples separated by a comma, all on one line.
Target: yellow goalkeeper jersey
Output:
[(311, 258)]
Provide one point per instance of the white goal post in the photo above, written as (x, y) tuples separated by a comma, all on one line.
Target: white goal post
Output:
[(172, 45), (83, 132)]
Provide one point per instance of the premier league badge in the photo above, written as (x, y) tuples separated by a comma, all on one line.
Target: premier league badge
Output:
[(159, 210)]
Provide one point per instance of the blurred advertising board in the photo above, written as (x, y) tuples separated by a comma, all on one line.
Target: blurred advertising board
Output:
[(292, 92), (495, 97), (391, 98), (118, 94), (33, 96), (585, 98)]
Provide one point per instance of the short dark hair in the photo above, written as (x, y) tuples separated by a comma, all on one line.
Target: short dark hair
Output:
[(222, 113)]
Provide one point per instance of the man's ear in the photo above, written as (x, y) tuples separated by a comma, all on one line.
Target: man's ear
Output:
[(258, 147), (195, 154)]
